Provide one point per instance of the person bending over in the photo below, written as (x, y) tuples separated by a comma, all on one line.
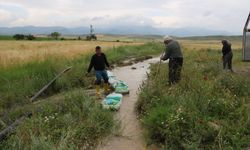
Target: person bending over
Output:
[(174, 54)]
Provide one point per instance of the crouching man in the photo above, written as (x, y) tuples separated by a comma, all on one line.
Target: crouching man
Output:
[(174, 54), (99, 62)]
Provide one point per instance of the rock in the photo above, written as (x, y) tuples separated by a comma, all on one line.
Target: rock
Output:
[(133, 68)]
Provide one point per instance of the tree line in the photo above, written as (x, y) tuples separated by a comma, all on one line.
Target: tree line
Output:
[(24, 37), (53, 35)]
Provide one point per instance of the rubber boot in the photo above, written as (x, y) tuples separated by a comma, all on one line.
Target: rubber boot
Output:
[(97, 89), (106, 88)]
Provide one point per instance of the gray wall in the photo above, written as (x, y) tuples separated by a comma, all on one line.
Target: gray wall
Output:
[(247, 49)]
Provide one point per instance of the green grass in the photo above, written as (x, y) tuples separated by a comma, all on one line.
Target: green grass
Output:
[(72, 121), (208, 109), (6, 37), (19, 82), (75, 122)]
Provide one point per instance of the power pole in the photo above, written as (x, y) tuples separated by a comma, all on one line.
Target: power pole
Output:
[(91, 30)]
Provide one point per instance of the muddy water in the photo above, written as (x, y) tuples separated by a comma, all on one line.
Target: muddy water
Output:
[(131, 133)]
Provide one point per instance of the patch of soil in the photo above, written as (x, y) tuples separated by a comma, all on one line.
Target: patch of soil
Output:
[(243, 71)]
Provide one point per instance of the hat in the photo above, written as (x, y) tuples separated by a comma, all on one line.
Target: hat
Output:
[(167, 38), (225, 42)]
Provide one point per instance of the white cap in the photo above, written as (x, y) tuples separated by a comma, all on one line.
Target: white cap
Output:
[(167, 38)]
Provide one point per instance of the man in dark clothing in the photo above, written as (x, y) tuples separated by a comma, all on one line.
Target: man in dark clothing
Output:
[(174, 54), (99, 62), (227, 55)]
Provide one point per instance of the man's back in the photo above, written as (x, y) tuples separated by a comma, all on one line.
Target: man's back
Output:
[(174, 50)]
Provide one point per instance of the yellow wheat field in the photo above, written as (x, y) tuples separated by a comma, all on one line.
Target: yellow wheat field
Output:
[(208, 44), (12, 52)]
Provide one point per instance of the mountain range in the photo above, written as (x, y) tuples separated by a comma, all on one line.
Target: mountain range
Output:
[(142, 30)]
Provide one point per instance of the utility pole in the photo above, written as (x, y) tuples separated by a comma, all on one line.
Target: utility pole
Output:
[(91, 35), (91, 30)]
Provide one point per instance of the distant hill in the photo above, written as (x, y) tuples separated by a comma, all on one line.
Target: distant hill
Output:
[(42, 30), (124, 30)]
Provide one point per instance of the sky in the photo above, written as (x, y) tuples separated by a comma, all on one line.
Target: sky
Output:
[(226, 15)]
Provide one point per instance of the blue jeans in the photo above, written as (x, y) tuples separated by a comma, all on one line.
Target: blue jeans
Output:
[(101, 75)]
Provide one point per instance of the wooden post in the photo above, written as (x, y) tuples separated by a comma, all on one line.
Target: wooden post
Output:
[(11, 128), (49, 84)]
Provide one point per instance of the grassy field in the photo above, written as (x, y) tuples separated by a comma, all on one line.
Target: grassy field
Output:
[(208, 109), (6, 37), (19, 52), (66, 115), (16, 52), (207, 44), (72, 120)]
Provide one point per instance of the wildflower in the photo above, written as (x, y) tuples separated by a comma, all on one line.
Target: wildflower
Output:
[(179, 110), (46, 119)]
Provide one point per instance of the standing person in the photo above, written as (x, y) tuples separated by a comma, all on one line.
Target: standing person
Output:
[(99, 62), (174, 54), (227, 55)]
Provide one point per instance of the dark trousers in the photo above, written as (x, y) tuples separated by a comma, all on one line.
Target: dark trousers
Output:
[(227, 61), (175, 66), (101, 75)]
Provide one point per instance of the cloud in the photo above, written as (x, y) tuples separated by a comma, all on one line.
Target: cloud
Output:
[(5, 16), (214, 14)]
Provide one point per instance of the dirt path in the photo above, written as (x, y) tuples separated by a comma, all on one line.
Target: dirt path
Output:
[(245, 71), (131, 133)]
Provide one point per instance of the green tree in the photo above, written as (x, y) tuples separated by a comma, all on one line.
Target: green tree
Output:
[(55, 35), (30, 37), (19, 37)]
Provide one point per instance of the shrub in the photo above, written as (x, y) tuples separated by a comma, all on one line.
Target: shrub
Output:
[(206, 110), (19, 37), (77, 122)]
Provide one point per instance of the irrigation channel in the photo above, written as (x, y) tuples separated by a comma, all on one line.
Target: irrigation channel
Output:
[(131, 137)]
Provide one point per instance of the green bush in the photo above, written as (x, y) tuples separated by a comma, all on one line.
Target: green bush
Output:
[(206, 110), (76, 122), (237, 85)]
